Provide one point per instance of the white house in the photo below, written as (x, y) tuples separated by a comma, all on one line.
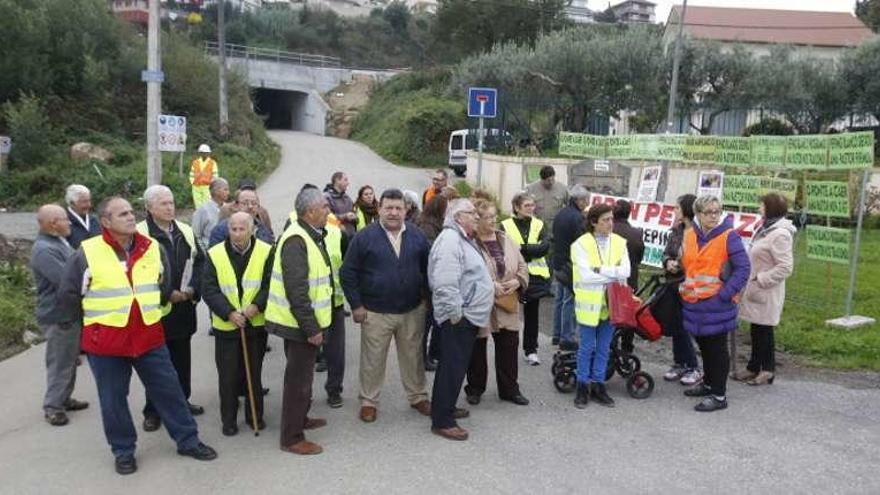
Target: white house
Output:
[(635, 12)]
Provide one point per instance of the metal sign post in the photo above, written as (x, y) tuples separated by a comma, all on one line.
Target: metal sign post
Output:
[(482, 103)]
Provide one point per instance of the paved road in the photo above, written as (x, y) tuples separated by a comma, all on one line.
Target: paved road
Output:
[(793, 437)]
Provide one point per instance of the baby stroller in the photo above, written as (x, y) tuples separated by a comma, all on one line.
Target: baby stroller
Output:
[(639, 384)]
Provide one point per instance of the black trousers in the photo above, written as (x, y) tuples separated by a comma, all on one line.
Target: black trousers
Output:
[(716, 362), (181, 357), (763, 356), (334, 352), (231, 375), (530, 328), (456, 347), (506, 368), (297, 397), (431, 346)]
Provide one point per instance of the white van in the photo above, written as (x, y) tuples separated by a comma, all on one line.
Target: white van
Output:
[(462, 140)]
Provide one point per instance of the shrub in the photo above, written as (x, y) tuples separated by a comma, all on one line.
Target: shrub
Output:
[(29, 129), (16, 305), (769, 127)]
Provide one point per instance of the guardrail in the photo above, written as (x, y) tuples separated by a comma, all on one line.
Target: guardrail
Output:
[(280, 56)]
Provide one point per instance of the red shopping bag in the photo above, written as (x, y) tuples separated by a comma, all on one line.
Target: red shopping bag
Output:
[(622, 305), (648, 327)]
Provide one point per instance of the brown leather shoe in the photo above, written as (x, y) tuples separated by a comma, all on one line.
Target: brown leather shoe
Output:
[(456, 433), (423, 407), (460, 413), (368, 414), (303, 447), (743, 375), (314, 423)]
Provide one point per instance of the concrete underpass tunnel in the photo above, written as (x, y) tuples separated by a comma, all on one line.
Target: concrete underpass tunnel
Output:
[(281, 109)]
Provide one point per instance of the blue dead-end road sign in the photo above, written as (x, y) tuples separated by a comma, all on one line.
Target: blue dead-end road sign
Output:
[(485, 98)]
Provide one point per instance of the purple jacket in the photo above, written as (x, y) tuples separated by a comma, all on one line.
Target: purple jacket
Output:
[(718, 313)]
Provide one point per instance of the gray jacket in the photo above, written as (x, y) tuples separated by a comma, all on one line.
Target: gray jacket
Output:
[(48, 257), (460, 282)]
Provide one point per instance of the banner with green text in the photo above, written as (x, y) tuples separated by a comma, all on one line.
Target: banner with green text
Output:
[(827, 198), (746, 190), (828, 244)]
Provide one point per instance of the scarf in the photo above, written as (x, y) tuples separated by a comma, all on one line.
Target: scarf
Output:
[(371, 210)]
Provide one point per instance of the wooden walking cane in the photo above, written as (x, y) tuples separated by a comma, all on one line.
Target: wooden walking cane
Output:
[(250, 385)]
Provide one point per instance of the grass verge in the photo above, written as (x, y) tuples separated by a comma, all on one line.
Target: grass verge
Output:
[(17, 307)]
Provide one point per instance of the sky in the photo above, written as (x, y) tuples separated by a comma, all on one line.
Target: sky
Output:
[(663, 6)]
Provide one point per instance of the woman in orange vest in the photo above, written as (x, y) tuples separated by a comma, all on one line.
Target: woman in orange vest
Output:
[(716, 269)]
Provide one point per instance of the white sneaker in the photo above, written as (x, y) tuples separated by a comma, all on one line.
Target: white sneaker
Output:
[(675, 373), (691, 377), (533, 360)]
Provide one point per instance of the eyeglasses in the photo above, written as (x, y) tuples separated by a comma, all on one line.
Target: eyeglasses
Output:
[(711, 213)]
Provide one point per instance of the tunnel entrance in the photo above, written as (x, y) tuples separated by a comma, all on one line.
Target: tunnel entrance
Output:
[(282, 109)]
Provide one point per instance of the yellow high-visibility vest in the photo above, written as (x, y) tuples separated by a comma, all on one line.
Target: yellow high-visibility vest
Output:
[(590, 306), (320, 284), (333, 241), (110, 296), (190, 237), (251, 280), (361, 219), (538, 266)]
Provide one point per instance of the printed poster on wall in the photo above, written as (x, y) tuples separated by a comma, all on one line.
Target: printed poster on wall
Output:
[(710, 182), (828, 244), (656, 221), (649, 183), (827, 198)]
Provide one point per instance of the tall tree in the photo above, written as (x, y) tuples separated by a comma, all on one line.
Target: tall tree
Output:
[(860, 69), (869, 13)]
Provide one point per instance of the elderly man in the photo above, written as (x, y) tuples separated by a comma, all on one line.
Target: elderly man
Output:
[(569, 225), (463, 294), (203, 170), (385, 281), (340, 204), (185, 262), (438, 182), (246, 200), (262, 214), (116, 283), (550, 196), (83, 224), (236, 287), (208, 215), (62, 331), (300, 310)]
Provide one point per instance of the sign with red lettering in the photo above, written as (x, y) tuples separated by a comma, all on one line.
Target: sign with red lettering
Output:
[(657, 219)]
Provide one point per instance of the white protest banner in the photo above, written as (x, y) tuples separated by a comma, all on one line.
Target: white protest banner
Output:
[(710, 182), (649, 183), (656, 221), (172, 133)]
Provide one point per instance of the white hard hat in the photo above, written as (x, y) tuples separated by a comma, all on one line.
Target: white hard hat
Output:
[(204, 148)]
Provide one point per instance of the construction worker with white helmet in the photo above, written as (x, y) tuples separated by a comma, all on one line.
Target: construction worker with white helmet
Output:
[(201, 173)]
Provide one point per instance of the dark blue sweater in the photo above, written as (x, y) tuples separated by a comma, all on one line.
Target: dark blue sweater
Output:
[(375, 278)]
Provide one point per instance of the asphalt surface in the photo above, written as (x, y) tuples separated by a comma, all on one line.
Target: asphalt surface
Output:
[(792, 437)]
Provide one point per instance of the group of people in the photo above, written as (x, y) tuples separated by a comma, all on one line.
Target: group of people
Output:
[(437, 280)]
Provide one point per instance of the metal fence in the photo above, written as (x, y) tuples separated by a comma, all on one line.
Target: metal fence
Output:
[(271, 54)]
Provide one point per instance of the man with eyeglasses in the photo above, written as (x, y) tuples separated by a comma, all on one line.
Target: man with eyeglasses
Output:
[(439, 181), (246, 200)]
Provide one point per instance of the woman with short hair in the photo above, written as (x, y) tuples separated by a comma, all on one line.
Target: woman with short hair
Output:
[(772, 260), (716, 268)]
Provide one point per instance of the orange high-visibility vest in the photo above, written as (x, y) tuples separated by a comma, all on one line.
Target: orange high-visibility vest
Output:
[(702, 267), (202, 171)]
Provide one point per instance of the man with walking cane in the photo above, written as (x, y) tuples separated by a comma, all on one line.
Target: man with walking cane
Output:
[(235, 288)]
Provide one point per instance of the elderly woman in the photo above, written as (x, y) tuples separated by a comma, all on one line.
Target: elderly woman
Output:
[(598, 258), (770, 254), (716, 268), (463, 294), (510, 276), (366, 207), (530, 234), (685, 368), (411, 202)]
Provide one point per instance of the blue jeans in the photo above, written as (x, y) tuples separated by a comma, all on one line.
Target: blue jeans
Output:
[(592, 355), (112, 378), (563, 313)]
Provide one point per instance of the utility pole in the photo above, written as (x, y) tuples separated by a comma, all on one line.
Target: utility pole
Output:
[(154, 96), (673, 93), (221, 57)]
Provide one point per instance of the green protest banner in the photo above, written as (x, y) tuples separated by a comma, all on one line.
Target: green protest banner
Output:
[(646, 146), (741, 190), (768, 151), (827, 198), (620, 147), (583, 145), (850, 151), (670, 147), (786, 187), (806, 152), (700, 149), (828, 244), (733, 152)]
